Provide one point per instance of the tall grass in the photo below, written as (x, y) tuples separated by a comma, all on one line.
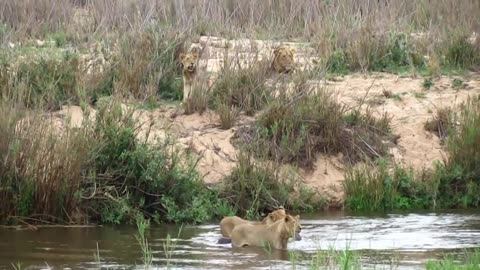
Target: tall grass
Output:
[(459, 176), (143, 225), (114, 177), (51, 172), (373, 188), (295, 129), (40, 167), (468, 260), (259, 186), (372, 35), (451, 183), (306, 17)]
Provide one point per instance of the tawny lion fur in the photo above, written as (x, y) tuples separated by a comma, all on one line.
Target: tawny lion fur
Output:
[(227, 224), (275, 235), (283, 59), (190, 70)]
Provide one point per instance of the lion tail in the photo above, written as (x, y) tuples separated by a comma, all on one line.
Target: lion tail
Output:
[(224, 240)]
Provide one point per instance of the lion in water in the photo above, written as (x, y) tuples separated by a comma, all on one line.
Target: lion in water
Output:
[(275, 235), (228, 223)]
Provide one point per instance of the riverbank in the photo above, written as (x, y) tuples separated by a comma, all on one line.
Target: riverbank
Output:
[(92, 130)]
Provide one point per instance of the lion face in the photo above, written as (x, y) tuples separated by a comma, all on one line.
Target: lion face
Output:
[(189, 61), (274, 216), (283, 59), (293, 226)]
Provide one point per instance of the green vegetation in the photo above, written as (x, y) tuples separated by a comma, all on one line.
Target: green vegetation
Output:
[(452, 183), (103, 169), (242, 89), (254, 187), (294, 130), (348, 259), (56, 53), (373, 188), (427, 83), (457, 83), (442, 123), (469, 260)]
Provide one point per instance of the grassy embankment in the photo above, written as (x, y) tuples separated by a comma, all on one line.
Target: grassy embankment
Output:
[(103, 172)]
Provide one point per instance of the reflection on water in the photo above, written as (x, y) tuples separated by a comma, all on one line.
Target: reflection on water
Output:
[(404, 239)]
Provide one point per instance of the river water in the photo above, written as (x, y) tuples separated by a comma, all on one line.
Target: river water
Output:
[(384, 241)]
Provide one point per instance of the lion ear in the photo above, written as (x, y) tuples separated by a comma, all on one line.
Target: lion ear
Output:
[(182, 56), (297, 217), (276, 51), (287, 218)]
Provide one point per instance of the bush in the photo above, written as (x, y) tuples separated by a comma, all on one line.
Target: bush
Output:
[(441, 123), (46, 83), (149, 59), (244, 88), (155, 180), (460, 53), (459, 175), (452, 183), (467, 260), (198, 101), (255, 187), (397, 55), (100, 171), (41, 170), (337, 63), (373, 188), (295, 130)]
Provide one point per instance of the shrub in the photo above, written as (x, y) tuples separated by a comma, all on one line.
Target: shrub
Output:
[(243, 88), (459, 176), (441, 123), (398, 54), (295, 130), (47, 83), (255, 187), (198, 101), (149, 58), (452, 183), (156, 180), (427, 83), (41, 169), (466, 260), (337, 63), (227, 115), (460, 53), (374, 188)]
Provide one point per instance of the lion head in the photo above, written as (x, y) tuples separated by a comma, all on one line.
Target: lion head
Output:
[(283, 59), (189, 61), (274, 216), (292, 226)]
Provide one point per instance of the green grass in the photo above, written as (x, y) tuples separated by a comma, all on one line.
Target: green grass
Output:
[(255, 187), (140, 45), (468, 260), (152, 180), (427, 83), (452, 183), (294, 129), (373, 188)]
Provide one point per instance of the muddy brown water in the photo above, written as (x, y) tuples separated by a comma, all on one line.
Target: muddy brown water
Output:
[(404, 240)]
